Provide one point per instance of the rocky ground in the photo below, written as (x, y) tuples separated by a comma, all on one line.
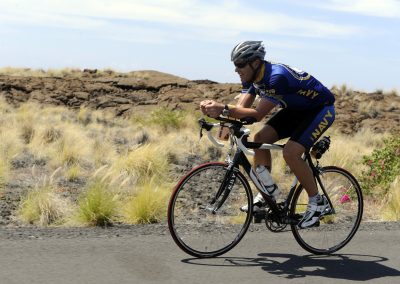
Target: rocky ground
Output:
[(129, 93)]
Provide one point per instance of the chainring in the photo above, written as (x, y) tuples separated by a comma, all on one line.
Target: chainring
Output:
[(273, 222)]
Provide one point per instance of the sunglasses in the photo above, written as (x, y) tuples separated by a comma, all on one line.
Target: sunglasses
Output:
[(241, 64)]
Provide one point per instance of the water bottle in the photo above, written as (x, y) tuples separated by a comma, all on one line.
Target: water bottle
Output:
[(268, 182), (321, 147)]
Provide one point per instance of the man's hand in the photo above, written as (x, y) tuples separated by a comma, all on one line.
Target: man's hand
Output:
[(211, 108)]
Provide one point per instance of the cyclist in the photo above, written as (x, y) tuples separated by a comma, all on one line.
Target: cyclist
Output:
[(307, 112)]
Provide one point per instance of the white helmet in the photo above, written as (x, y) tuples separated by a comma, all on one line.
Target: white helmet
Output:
[(248, 51)]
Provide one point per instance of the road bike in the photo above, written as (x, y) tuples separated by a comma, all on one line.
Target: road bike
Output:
[(204, 215)]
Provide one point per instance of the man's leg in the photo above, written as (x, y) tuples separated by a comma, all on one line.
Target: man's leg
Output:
[(262, 157), (266, 135), (292, 154), (317, 204)]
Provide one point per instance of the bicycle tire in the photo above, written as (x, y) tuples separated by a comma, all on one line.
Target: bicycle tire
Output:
[(337, 229), (193, 227)]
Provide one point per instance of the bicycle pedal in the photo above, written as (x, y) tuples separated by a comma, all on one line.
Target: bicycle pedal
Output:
[(259, 217), (258, 220)]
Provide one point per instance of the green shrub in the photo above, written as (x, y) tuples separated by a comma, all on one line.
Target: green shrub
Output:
[(163, 117), (97, 206), (383, 166), (74, 172), (148, 205), (167, 118)]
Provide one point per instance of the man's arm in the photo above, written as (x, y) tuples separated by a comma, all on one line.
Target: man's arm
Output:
[(214, 109), (262, 109), (246, 100)]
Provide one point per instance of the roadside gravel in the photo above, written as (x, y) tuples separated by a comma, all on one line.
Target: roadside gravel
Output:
[(121, 231)]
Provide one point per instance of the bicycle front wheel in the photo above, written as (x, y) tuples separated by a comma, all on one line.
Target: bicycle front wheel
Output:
[(339, 225), (202, 225)]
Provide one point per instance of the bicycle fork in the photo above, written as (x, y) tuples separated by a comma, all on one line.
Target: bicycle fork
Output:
[(224, 190)]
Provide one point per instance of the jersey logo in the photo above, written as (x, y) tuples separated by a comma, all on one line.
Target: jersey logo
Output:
[(271, 93), (321, 126), (308, 93)]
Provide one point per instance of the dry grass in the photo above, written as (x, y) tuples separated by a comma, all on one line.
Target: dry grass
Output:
[(148, 204), (135, 159), (43, 207), (347, 151), (98, 204), (342, 90), (72, 148), (391, 206), (4, 173), (144, 162)]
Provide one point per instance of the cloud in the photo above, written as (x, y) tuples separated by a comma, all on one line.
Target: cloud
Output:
[(192, 19), (378, 8)]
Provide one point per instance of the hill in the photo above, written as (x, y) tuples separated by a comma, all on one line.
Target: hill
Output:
[(127, 93)]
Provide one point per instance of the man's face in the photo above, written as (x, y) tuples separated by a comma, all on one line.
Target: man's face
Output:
[(244, 70)]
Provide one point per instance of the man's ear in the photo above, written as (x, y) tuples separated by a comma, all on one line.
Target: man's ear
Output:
[(256, 63)]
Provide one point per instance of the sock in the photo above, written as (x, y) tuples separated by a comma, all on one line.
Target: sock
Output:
[(315, 199)]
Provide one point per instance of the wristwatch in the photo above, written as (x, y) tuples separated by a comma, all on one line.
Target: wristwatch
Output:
[(226, 112)]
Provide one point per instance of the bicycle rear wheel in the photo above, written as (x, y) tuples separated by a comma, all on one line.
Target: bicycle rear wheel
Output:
[(193, 225), (338, 227)]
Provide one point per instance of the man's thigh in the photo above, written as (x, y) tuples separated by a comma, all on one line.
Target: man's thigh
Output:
[(267, 134)]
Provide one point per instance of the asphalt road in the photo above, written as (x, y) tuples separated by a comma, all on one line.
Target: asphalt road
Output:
[(134, 256)]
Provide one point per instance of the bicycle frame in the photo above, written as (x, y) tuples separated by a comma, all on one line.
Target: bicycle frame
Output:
[(238, 137)]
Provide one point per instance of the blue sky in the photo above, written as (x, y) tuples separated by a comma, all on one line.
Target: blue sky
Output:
[(353, 42)]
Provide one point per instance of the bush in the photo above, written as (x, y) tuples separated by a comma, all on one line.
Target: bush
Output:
[(143, 163), (98, 204), (383, 166), (149, 205), (43, 207), (163, 117)]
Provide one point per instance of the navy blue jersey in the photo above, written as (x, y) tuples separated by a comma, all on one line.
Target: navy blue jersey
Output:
[(289, 87)]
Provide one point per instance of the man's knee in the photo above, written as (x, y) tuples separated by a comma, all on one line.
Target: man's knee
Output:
[(292, 151)]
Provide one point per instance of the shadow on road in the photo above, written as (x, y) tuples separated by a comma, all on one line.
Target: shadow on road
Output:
[(340, 266)]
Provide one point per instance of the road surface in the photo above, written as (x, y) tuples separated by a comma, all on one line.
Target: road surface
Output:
[(148, 255)]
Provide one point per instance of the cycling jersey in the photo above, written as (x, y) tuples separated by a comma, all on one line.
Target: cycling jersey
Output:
[(289, 87)]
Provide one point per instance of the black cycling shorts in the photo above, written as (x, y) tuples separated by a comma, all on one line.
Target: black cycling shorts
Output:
[(303, 126)]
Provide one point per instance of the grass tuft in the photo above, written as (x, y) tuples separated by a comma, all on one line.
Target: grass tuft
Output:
[(148, 205), (97, 206), (145, 162), (391, 208), (43, 207), (164, 118)]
